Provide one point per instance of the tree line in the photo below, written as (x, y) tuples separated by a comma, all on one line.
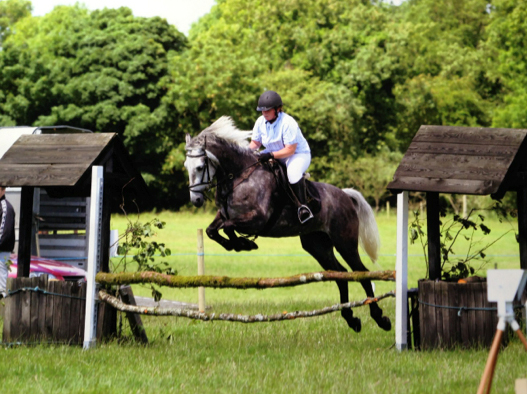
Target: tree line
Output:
[(360, 76)]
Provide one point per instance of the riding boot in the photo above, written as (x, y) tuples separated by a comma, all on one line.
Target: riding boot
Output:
[(304, 213)]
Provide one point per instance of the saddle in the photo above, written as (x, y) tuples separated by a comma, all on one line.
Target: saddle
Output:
[(279, 170)]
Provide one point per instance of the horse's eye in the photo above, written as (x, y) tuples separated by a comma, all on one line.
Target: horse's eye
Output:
[(199, 168)]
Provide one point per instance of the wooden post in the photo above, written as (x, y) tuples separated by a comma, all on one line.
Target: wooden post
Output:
[(24, 232), (465, 205), (201, 270), (434, 241), (401, 276), (96, 203), (105, 230), (136, 323), (522, 225), (388, 209)]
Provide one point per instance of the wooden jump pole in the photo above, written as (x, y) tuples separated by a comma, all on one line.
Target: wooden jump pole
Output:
[(201, 270), (234, 317), (223, 282)]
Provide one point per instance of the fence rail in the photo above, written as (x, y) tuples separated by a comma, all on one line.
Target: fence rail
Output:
[(238, 283)]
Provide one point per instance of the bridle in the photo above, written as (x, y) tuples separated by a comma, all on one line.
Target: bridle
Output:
[(206, 171)]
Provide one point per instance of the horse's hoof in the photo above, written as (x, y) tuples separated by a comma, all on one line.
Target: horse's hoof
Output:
[(385, 323), (245, 244), (353, 322)]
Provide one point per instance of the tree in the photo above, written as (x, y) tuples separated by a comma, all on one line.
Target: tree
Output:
[(439, 48), (369, 174), (306, 51), (507, 41), (10, 12), (104, 70)]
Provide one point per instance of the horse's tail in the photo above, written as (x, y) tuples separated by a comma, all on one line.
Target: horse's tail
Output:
[(369, 238)]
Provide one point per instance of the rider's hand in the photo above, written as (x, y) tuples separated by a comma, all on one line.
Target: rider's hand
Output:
[(265, 157)]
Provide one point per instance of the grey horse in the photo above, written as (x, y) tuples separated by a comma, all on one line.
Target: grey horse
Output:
[(251, 201)]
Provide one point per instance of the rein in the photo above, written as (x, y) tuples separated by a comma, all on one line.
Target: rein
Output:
[(230, 176)]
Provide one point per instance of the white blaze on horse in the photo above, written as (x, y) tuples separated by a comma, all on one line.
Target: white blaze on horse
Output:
[(254, 201)]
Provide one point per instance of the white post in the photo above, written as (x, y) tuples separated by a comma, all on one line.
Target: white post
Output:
[(114, 242), (201, 270), (401, 273), (464, 206), (90, 322)]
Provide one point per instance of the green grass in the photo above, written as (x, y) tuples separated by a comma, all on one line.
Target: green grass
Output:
[(318, 355)]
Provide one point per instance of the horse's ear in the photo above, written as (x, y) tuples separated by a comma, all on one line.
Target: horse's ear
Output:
[(187, 138)]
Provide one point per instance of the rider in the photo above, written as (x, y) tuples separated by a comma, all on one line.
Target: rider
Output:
[(282, 138)]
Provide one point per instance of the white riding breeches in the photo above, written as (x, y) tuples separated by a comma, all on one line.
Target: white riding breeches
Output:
[(296, 166)]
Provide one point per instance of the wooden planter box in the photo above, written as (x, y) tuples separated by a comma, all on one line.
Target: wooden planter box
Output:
[(455, 315), (34, 316)]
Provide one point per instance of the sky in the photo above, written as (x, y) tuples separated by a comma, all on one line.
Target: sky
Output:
[(180, 13)]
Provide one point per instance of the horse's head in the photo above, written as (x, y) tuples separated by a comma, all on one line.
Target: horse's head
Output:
[(201, 166), (220, 140)]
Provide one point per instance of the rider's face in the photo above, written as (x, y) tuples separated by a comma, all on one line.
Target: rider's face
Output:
[(269, 115)]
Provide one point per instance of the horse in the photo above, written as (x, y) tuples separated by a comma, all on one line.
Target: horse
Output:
[(251, 202)]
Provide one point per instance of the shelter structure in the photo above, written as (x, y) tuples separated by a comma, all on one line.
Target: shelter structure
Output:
[(456, 160), (61, 163), (95, 166), (60, 228)]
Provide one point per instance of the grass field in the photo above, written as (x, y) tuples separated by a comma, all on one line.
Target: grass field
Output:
[(317, 355)]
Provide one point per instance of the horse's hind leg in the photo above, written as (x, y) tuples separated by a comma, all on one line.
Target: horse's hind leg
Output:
[(350, 252), (319, 245)]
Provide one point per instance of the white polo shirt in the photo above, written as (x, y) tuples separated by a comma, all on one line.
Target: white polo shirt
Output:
[(283, 131)]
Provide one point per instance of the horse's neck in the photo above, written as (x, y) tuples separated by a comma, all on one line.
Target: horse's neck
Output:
[(232, 161)]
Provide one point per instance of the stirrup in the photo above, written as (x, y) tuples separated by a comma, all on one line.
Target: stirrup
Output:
[(301, 213)]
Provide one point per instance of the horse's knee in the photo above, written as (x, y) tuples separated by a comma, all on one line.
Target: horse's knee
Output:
[(353, 322)]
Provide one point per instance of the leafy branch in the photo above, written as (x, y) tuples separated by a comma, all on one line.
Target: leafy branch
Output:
[(139, 254), (451, 231)]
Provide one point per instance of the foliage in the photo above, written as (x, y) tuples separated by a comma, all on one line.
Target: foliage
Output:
[(104, 71), (360, 76), (368, 174), (10, 12), (507, 37), (455, 266), (135, 240)]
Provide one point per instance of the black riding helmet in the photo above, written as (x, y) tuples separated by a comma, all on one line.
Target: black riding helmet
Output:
[(269, 100)]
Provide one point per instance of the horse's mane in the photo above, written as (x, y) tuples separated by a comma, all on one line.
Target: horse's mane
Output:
[(224, 128)]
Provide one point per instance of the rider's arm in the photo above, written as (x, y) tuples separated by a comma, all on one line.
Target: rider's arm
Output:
[(287, 151), (254, 145)]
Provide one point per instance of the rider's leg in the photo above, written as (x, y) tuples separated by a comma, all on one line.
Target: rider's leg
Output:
[(304, 213), (296, 167)]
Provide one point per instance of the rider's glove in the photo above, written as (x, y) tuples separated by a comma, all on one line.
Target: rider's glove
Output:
[(265, 157)]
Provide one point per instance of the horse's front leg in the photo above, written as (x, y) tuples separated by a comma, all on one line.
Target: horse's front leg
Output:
[(234, 242), (239, 243), (214, 234)]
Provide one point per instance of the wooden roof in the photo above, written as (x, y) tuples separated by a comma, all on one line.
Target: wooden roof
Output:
[(65, 161), (464, 160)]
